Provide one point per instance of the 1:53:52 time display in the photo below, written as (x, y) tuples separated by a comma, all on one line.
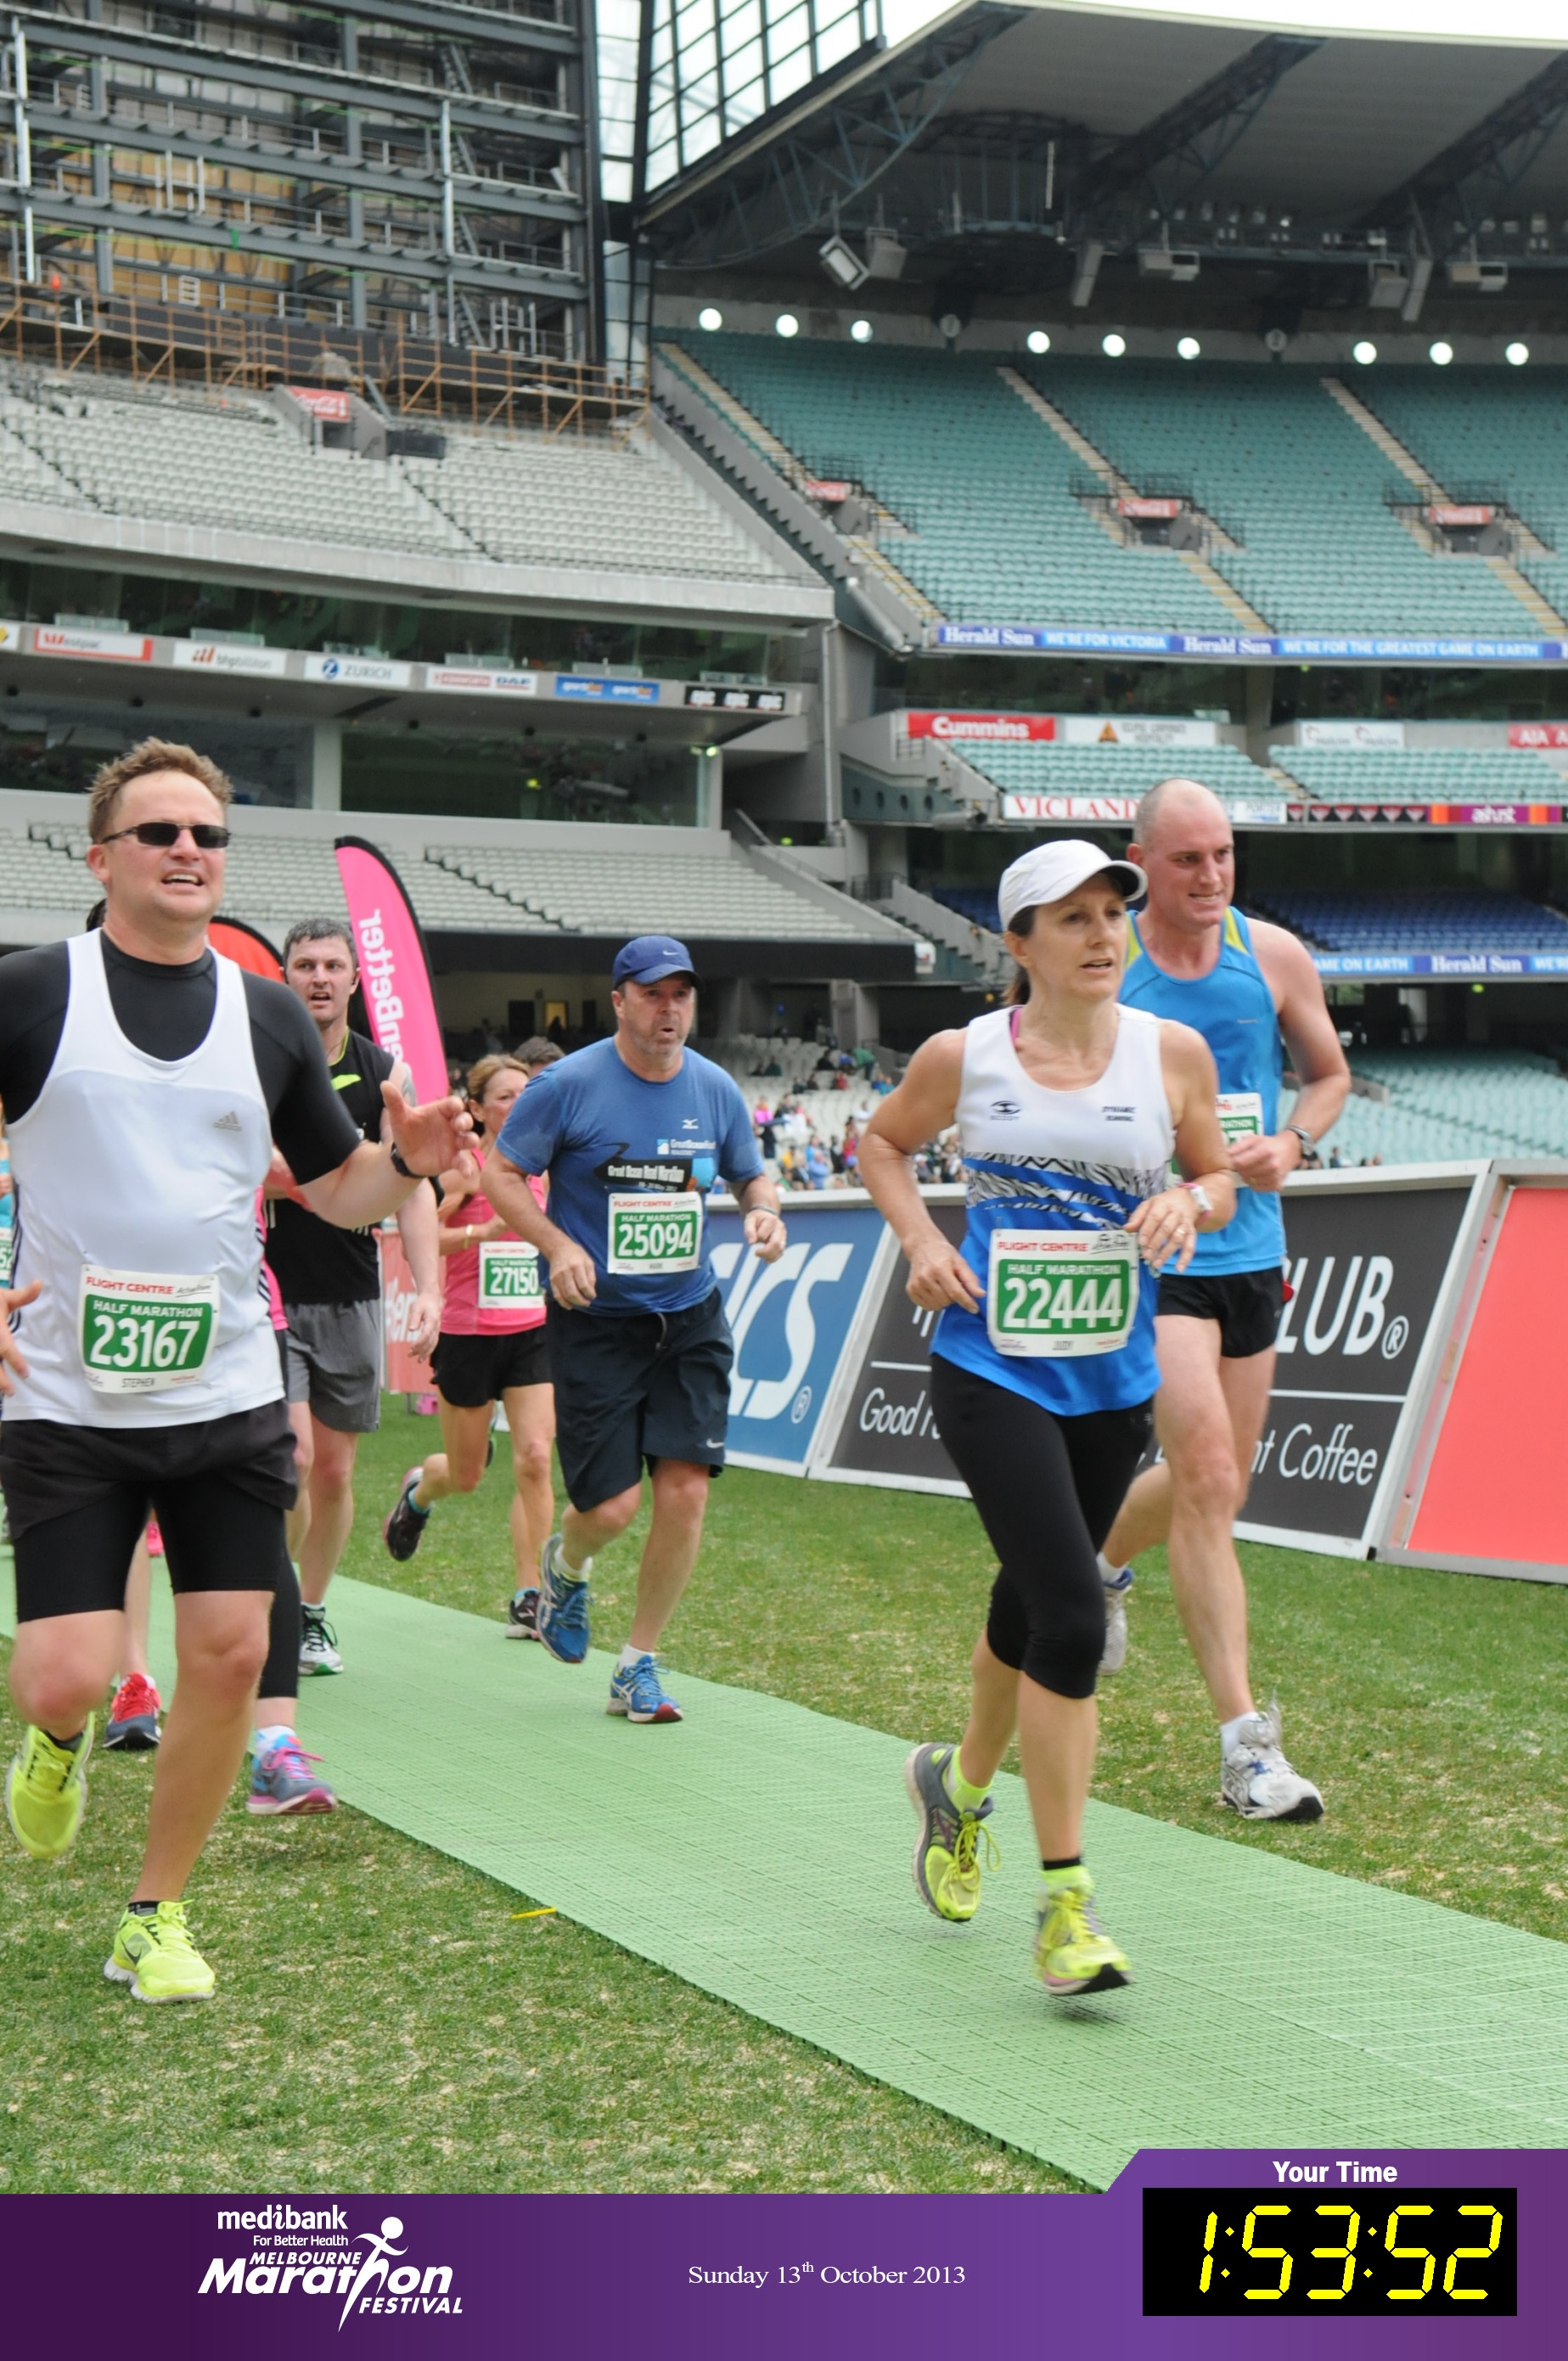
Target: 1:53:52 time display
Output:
[(1248, 2250)]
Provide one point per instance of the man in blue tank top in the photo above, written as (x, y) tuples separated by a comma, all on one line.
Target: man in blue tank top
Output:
[(1241, 984)]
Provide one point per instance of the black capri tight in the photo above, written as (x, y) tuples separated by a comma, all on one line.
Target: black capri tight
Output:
[(1047, 1490)]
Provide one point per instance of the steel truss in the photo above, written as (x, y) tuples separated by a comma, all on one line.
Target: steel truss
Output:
[(795, 177)]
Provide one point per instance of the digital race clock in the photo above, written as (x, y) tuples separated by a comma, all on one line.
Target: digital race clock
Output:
[(1325, 2250)]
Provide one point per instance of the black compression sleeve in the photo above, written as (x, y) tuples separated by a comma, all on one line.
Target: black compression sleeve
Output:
[(34, 988), (309, 1122)]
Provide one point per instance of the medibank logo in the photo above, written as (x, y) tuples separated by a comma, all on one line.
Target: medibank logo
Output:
[(306, 2252)]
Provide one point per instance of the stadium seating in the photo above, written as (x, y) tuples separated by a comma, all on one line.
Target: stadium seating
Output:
[(481, 889), (1408, 774), (601, 892), (984, 487), (1273, 457), (1485, 433), (1420, 918), (996, 534), (1445, 1104), (231, 462), (1038, 767)]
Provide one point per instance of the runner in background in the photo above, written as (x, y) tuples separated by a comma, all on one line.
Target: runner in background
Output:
[(1241, 984), (1068, 1109), (534, 1054), (492, 1349), (633, 1133), (331, 1285), (132, 1726)]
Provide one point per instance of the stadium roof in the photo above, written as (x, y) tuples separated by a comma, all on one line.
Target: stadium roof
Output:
[(1049, 126)]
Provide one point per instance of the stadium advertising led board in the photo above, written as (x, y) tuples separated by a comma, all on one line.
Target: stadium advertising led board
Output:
[(1441, 963), (1429, 815), (791, 1321), (1241, 647), (1062, 728)]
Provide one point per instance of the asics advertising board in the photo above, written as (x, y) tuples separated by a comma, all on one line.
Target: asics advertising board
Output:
[(790, 1321)]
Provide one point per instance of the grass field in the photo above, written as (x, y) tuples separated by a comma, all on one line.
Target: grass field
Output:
[(384, 2023)]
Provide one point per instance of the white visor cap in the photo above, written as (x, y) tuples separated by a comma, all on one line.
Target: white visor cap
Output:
[(1050, 871)]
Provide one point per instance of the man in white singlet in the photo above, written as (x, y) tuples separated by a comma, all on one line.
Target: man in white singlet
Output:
[(144, 1081)]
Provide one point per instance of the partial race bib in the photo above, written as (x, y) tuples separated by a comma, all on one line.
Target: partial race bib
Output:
[(1056, 1295), (142, 1333), (508, 1276), (1241, 1115), (651, 1235)]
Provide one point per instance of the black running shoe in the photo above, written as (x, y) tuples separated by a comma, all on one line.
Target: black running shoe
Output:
[(523, 1616), (404, 1529)]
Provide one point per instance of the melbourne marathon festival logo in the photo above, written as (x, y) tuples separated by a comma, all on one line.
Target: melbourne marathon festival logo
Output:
[(310, 2250)]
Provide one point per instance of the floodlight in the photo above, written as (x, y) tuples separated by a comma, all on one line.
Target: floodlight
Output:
[(1114, 345), (1188, 347), (841, 263), (861, 331), (1365, 352), (1037, 341), (786, 324), (710, 316), (1517, 354), (1439, 354)]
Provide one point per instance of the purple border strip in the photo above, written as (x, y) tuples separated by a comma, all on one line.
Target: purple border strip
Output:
[(585, 2277)]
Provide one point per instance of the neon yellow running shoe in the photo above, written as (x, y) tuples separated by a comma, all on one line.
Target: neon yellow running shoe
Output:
[(1073, 1951), (45, 1793), (157, 1958), (946, 1850)]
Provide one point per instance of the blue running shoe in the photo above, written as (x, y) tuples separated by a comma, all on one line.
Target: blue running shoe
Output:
[(562, 1620), (282, 1781), (636, 1691)]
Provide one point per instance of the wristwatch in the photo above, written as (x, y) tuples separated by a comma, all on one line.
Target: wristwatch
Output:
[(1305, 1136), (1200, 1196)]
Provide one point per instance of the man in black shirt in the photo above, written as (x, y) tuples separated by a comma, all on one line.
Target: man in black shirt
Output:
[(330, 1280), (143, 1081)]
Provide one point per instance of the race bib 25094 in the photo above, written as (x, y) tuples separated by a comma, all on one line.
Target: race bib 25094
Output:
[(143, 1331), (1054, 1295), (653, 1234)]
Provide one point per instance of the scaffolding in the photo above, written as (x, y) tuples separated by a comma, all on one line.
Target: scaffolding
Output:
[(166, 346), (408, 168)]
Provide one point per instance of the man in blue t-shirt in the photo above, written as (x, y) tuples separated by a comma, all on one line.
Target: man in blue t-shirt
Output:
[(632, 1134)]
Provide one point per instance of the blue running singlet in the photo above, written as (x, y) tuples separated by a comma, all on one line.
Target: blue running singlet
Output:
[(1233, 1007)]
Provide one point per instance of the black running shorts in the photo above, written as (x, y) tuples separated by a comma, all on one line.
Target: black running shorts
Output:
[(633, 1388), (1246, 1304), (77, 1498), (472, 1372)]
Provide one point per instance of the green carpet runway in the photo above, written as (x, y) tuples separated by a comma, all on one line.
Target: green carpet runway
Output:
[(760, 1851)]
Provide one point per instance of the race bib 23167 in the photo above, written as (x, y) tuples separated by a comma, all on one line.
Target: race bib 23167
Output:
[(143, 1331)]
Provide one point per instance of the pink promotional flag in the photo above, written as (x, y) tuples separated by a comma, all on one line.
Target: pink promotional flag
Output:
[(394, 967)]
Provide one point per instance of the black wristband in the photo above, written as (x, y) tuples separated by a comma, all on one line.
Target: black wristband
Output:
[(399, 1166)]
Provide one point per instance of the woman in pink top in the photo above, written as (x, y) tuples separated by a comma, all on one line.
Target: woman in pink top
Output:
[(492, 1348)]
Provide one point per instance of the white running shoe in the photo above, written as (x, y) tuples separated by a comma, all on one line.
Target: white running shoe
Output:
[(1256, 1781), (318, 1644), (1115, 1650)]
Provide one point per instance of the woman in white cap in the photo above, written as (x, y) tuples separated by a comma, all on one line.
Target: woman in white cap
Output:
[(1068, 1109)]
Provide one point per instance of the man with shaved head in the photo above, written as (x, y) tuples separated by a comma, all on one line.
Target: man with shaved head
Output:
[(1241, 984)]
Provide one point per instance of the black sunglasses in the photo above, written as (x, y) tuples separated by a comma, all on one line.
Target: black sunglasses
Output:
[(165, 832)]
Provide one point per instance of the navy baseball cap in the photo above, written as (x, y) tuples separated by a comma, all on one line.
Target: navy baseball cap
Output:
[(649, 959)]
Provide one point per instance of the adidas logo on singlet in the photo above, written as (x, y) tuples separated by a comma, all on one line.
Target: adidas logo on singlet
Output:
[(229, 1122)]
